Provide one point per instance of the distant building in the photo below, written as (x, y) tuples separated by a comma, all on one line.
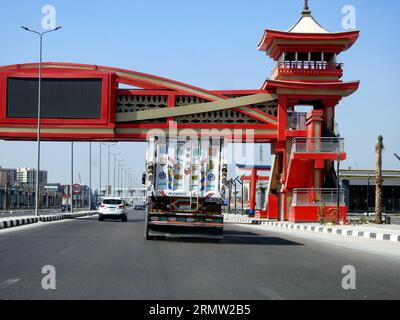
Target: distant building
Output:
[(359, 186), (8, 176), (27, 177), (53, 187)]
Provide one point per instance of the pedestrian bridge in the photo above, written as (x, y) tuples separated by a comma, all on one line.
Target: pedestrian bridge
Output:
[(89, 102)]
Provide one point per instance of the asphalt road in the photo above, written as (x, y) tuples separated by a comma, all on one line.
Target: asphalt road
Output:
[(111, 260)]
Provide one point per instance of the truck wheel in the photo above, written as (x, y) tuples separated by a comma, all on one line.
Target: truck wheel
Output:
[(149, 238), (146, 233)]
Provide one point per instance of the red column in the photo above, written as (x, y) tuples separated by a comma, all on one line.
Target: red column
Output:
[(282, 118), (253, 185)]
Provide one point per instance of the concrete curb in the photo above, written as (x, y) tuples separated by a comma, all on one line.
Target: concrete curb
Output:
[(20, 221), (337, 230)]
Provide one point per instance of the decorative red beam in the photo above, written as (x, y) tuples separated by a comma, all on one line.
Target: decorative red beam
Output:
[(259, 178), (255, 167)]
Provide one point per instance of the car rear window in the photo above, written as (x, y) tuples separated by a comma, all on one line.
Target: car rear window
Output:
[(112, 201)]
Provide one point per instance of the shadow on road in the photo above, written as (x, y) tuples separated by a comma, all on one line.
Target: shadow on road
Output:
[(96, 220), (243, 238), (231, 237)]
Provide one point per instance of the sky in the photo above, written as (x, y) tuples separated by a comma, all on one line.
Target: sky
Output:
[(210, 44)]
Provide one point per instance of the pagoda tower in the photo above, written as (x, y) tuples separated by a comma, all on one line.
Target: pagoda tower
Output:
[(307, 73)]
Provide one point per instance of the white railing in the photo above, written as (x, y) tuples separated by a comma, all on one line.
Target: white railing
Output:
[(310, 65), (317, 197), (318, 145)]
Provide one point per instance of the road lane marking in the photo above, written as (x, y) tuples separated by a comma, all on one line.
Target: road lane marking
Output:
[(8, 283), (92, 216), (67, 250), (272, 295)]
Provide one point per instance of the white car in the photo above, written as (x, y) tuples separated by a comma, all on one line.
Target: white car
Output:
[(113, 208)]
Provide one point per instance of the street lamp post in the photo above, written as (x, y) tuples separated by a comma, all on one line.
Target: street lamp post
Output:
[(90, 176), (338, 185), (368, 186), (98, 200), (130, 182), (239, 180), (235, 195), (115, 160), (128, 174), (230, 195), (119, 180), (125, 175), (41, 34), (108, 166), (72, 177), (122, 181), (126, 181)]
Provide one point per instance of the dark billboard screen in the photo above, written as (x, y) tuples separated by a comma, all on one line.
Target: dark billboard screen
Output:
[(60, 98)]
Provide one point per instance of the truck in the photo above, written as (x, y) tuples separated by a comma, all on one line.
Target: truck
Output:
[(185, 187)]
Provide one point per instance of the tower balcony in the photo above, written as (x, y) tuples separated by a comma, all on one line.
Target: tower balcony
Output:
[(292, 70), (323, 148), (309, 154)]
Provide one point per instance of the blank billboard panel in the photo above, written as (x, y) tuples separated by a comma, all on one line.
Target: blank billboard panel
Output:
[(60, 98)]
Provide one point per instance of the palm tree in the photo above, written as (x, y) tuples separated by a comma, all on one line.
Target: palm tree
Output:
[(379, 180)]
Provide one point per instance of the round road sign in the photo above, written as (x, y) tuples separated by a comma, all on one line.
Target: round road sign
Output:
[(76, 189)]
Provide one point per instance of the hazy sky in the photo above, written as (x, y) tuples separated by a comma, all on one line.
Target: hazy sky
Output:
[(210, 44)]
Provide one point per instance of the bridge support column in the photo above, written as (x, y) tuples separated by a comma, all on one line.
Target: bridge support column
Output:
[(253, 185)]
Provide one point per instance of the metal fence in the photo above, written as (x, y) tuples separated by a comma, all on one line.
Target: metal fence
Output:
[(317, 197), (318, 145), (29, 212)]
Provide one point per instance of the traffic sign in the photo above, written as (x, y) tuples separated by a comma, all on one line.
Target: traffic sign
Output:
[(76, 189)]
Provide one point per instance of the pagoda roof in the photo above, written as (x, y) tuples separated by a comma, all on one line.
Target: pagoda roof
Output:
[(342, 89), (306, 33), (307, 24)]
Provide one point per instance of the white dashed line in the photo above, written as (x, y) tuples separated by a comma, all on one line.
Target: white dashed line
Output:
[(8, 283)]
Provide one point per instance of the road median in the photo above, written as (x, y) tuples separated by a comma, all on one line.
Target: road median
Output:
[(375, 232), (12, 222)]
